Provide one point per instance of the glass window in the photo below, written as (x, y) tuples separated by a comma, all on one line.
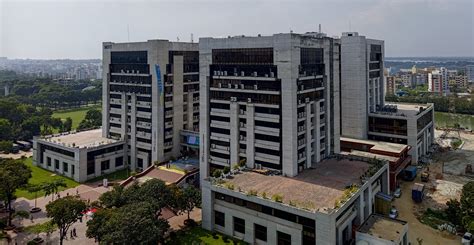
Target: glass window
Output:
[(219, 218), (56, 164), (65, 167), (260, 232), (239, 225), (118, 161), (48, 159), (105, 165), (283, 238)]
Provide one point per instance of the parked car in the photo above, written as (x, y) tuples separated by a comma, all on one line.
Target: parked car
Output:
[(397, 193), (467, 239), (393, 213)]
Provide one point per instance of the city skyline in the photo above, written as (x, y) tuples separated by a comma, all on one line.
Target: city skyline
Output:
[(410, 28)]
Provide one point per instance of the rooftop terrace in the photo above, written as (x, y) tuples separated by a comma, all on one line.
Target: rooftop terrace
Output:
[(316, 189), (83, 139), (382, 227), (404, 109), (378, 145)]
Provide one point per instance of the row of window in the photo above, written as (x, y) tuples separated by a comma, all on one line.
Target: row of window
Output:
[(260, 231), (57, 166)]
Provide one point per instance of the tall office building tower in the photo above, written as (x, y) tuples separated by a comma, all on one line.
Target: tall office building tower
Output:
[(364, 113), (362, 88), (150, 95), (268, 102)]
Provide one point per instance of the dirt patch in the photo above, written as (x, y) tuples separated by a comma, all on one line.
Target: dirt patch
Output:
[(17, 155)]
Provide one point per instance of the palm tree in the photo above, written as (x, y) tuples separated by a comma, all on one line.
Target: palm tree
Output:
[(52, 188), (35, 188)]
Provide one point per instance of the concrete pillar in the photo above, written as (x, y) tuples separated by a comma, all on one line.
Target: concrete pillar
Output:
[(309, 146), (317, 129), (123, 122), (234, 133), (80, 159), (190, 113), (178, 89), (133, 132), (250, 151), (208, 207)]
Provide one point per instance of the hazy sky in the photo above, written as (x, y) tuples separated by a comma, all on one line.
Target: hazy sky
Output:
[(76, 29)]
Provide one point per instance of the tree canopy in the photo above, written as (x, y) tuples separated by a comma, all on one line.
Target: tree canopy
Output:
[(64, 212)]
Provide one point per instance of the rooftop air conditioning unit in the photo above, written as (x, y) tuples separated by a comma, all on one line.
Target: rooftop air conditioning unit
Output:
[(249, 100), (254, 73), (242, 73)]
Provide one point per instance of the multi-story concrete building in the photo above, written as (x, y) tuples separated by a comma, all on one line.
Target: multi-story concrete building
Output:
[(268, 101), (390, 85), (150, 98), (79, 155), (364, 114), (271, 103), (362, 88), (438, 81), (458, 82), (381, 230), (470, 73)]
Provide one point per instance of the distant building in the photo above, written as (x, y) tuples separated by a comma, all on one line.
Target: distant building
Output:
[(390, 85), (470, 73), (458, 81), (438, 82)]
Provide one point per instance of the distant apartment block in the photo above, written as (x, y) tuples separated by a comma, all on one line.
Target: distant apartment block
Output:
[(151, 98), (390, 85), (438, 82), (470, 73)]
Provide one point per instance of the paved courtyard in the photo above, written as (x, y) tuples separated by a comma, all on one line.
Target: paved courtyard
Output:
[(86, 192)]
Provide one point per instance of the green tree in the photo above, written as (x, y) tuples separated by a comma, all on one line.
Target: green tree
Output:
[(6, 146), (52, 188), (190, 198), (131, 224), (14, 174), (34, 188), (67, 125), (5, 129), (453, 211), (92, 119), (64, 212), (114, 198), (467, 206)]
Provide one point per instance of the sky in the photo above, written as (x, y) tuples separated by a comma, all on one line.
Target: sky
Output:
[(75, 29)]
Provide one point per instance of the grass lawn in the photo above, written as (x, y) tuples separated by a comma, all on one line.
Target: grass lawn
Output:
[(117, 175), (76, 114), (197, 236), (39, 175)]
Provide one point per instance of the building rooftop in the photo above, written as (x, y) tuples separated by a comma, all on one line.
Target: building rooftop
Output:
[(383, 227), (379, 145), (83, 139), (315, 189), (403, 109)]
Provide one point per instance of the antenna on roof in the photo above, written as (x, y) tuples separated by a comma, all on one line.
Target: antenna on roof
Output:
[(177, 39), (350, 26), (192, 38), (319, 28), (291, 31)]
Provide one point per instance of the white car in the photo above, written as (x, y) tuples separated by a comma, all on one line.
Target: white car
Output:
[(393, 213), (397, 193), (467, 239)]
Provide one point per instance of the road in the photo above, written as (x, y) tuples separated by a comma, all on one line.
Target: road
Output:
[(416, 229)]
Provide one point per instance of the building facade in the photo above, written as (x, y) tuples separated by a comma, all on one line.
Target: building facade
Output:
[(390, 85), (80, 155), (362, 88), (470, 73), (268, 102), (150, 95)]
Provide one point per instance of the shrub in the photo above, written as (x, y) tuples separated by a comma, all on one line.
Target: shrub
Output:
[(277, 198), (252, 193), (226, 170), (229, 186), (217, 173), (264, 195)]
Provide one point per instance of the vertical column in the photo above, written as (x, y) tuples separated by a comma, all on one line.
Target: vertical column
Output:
[(80, 159), (250, 152), (234, 133), (133, 132), (178, 89), (123, 122), (207, 206), (309, 146), (317, 132), (190, 113)]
